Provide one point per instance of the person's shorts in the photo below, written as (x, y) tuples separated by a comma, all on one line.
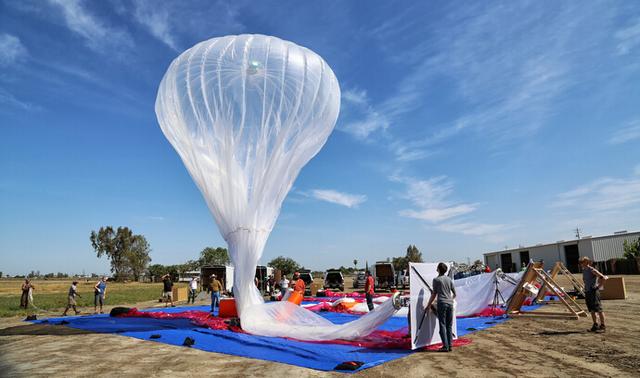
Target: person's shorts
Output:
[(167, 295), (98, 300), (72, 301), (592, 297)]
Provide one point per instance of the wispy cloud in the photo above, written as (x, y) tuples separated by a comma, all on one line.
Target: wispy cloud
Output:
[(433, 204), (97, 35), (363, 118), (629, 132), (156, 18), (9, 100), (505, 77), (432, 199), (603, 194), (339, 198), (11, 50), (628, 38)]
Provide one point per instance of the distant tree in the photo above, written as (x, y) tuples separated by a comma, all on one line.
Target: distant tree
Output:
[(631, 249), (128, 253), (214, 256), (49, 275), (137, 257), (355, 264), (399, 263), (0, 274), (286, 265), (157, 270), (413, 254)]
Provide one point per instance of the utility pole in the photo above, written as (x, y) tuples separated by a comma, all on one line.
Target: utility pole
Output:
[(577, 230)]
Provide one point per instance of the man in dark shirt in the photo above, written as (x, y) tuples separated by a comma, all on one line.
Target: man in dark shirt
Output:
[(167, 291), (71, 298), (445, 290), (590, 276)]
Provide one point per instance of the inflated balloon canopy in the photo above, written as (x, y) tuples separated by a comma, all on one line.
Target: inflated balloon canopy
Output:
[(246, 113)]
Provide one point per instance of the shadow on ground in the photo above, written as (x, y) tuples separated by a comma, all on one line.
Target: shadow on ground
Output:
[(42, 329)]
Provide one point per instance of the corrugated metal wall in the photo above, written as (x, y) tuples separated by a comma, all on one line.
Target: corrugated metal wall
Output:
[(611, 247)]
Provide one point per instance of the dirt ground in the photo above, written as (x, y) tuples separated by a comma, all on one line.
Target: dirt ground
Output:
[(524, 347)]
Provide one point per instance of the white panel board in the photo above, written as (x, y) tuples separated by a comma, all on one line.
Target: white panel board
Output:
[(424, 322)]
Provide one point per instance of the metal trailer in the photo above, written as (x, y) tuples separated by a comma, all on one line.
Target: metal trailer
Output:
[(224, 274)]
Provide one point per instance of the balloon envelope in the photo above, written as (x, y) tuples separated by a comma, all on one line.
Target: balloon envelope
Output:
[(246, 113)]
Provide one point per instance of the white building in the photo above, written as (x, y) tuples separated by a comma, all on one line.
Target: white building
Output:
[(599, 249)]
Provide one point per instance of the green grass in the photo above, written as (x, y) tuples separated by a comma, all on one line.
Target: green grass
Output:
[(56, 302)]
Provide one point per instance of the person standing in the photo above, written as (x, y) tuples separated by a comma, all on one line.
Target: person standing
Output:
[(27, 296), (369, 288), (444, 289), (590, 276), (71, 298), (284, 284), (167, 290), (299, 285), (216, 288), (193, 290), (99, 294)]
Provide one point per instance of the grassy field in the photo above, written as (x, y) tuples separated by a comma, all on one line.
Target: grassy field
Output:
[(51, 295)]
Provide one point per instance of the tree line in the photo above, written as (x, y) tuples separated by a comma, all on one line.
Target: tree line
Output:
[(129, 257)]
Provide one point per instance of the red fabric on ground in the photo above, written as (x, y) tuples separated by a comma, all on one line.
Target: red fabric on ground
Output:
[(378, 339), (199, 318)]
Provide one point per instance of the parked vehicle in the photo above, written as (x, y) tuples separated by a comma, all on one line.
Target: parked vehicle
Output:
[(224, 274), (308, 280), (359, 280), (333, 279), (384, 275), (262, 274), (402, 279)]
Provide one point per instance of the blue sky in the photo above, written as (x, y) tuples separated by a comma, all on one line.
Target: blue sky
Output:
[(465, 127)]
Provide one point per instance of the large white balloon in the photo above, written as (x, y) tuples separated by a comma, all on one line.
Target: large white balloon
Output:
[(246, 113)]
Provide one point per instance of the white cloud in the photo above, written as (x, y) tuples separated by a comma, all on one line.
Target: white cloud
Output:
[(627, 133), (11, 49), (628, 38), (603, 194), (439, 214), (506, 77), (156, 18), (636, 170), (431, 197), (339, 198), (363, 119), (98, 36), (433, 204)]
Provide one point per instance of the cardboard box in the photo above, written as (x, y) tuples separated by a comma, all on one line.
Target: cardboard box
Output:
[(180, 294), (614, 289)]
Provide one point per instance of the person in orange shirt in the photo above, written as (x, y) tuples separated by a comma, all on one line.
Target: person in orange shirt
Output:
[(299, 284), (368, 290)]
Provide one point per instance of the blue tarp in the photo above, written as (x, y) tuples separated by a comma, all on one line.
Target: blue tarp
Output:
[(310, 355)]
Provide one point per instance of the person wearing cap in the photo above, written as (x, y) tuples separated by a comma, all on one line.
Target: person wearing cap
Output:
[(299, 284), (193, 290), (590, 276), (216, 287), (71, 299)]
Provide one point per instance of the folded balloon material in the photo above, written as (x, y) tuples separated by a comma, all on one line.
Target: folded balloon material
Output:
[(246, 113)]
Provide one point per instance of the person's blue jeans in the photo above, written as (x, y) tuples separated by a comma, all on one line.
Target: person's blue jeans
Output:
[(215, 300), (369, 301), (192, 295), (445, 320)]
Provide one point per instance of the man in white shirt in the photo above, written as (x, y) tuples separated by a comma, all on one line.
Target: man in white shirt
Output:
[(284, 284), (193, 290)]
